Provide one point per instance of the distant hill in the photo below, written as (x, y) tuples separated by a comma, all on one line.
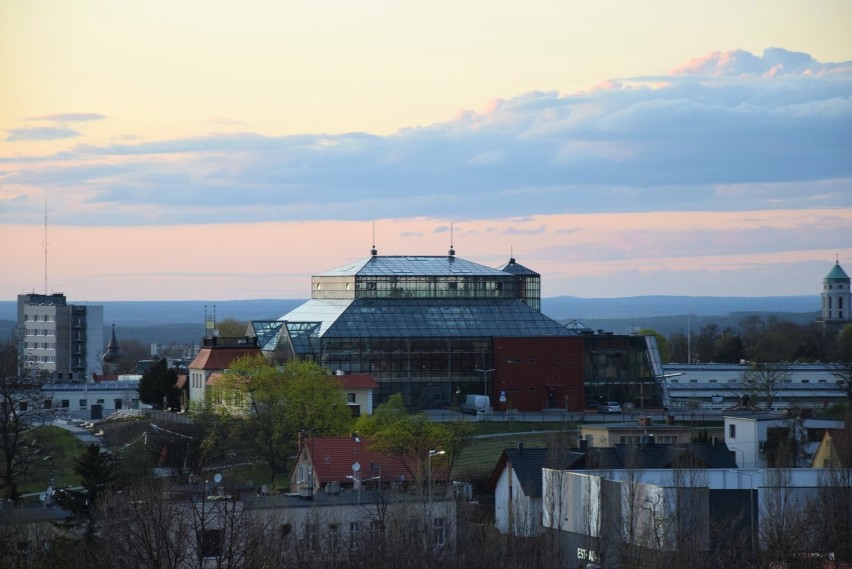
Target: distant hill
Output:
[(181, 321)]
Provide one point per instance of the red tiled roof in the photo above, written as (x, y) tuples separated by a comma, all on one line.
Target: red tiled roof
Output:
[(220, 358), (214, 377), (357, 381), (332, 459)]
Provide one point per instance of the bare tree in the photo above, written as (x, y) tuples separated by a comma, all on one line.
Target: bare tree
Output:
[(765, 380), (20, 409)]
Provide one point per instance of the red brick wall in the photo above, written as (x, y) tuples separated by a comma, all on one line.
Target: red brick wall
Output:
[(536, 373)]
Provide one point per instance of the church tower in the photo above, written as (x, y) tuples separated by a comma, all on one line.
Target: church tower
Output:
[(836, 297)]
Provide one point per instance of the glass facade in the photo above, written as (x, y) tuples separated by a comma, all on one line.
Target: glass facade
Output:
[(625, 369), (419, 277), (425, 327), (421, 326)]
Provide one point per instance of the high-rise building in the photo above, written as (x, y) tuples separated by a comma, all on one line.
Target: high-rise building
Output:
[(57, 340)]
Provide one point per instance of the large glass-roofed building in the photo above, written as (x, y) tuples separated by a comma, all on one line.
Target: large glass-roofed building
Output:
[(428, 327)]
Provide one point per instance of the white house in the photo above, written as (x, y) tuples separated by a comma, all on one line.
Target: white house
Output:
[(761, 439), (516, 482)]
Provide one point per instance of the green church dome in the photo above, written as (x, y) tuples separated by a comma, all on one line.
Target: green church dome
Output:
[(837, 274)]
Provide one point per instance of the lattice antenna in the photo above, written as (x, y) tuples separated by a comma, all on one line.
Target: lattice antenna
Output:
[(45, 247)]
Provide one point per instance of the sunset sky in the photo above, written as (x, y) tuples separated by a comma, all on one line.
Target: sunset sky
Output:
[(229, 150)]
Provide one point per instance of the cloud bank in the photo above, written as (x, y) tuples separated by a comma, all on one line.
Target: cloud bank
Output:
[(727, 131), (672, 184)]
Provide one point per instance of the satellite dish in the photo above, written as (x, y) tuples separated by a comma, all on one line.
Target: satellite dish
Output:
[(356, 466), (217, 478)]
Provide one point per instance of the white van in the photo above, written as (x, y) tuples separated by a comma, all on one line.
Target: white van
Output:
[(476, 404)]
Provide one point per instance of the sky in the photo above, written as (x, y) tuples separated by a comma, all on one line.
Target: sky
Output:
[(219, 150)]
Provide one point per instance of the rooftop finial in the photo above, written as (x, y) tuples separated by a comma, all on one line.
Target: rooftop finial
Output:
[(374, 251), (452, 252), (511, 255)]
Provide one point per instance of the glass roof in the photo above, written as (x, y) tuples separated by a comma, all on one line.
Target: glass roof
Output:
[(267, 333), (441, 318), (413, 265), (325, 312), (518, 269)]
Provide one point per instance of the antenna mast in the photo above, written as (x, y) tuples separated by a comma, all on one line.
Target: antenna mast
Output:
[(45, 246)]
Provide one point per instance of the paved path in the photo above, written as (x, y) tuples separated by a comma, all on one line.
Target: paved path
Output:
[(83, 434)]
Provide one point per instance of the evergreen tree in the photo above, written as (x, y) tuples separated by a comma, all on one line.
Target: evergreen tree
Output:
[(158, 384)]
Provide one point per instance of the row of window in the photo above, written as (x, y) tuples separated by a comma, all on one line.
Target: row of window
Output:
[(637, 439), (31, 332), (39, 345), (39, 318), (313, 538), (42, 359)]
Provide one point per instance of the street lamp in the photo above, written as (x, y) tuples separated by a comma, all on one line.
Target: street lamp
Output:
[(429, 470), (751, 476), (484, 373)]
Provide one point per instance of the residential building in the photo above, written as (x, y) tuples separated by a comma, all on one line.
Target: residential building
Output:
[(57, 340), (214, 357), (834, 450), (330, 464), (633, 432), (358, 388), (764, 439), (516, 483)]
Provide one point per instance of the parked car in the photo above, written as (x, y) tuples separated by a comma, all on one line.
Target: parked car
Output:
[(610, 407)]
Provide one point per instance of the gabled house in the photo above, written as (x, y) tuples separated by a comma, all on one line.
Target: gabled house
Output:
[(767, 440), (329, 464), (359, 389), (215, 356), (516, 482), (835, 450)]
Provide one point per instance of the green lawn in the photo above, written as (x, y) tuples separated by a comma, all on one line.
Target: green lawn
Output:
[(57, 449)]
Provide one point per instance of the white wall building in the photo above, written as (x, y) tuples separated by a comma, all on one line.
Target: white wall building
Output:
[(89, 400), (760, 439), (598, 513), (720, 386)]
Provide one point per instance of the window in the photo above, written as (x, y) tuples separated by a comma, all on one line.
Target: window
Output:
[(350, 398), (732, 431), (311, 537), (65, 404), (440, 531), (354, 534), (210, 542), (83, 403), (333, 537)]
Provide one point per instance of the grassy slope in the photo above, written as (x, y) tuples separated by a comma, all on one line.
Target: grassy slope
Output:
[(57, 450)]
